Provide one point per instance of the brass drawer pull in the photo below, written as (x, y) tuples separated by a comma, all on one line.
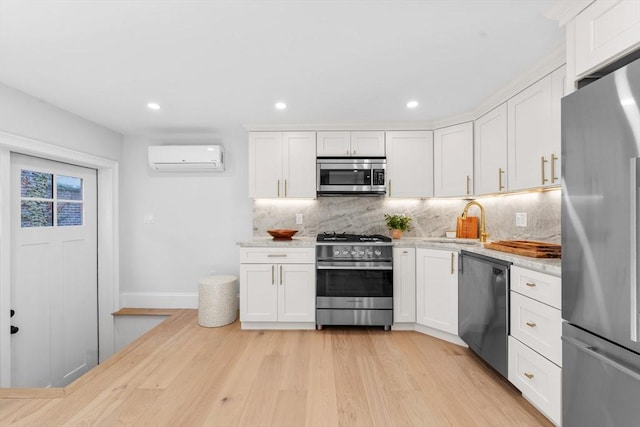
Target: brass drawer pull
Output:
[(542, 162), (273, 274), (531, 285), (500, 174), (285, 188), (280, 275), (452, 256), (468, 185), (528, 375), (531, 324), (554, 178), (278, 186)]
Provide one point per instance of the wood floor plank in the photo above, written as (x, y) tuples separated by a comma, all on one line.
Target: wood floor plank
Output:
[(182, 374)]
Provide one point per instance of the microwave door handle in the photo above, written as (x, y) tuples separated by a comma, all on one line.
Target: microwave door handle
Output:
[(635, 292)]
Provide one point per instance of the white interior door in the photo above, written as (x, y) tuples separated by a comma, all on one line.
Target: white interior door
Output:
[(53, 272)]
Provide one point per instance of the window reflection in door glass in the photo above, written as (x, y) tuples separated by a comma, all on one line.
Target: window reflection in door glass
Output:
[(36, 184), (69, 213), (68, 187), (36, 214)]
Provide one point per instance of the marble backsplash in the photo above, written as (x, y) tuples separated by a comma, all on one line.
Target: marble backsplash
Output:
[(431, 217)]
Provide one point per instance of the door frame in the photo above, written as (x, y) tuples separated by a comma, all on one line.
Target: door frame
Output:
[(108, 241)]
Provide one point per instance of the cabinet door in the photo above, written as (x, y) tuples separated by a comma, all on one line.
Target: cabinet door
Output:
[(605, 31), (453, 160), (296, 293), (334, 144), (490, 152), (367, 144), (437, 289), (529, 136), (299, 164), (258, 293), (409, 163), (265, 164), (404, 285)]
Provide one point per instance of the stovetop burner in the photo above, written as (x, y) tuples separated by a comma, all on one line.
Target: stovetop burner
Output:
[(350, 237)]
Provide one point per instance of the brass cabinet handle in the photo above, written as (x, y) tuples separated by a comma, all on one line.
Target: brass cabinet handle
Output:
[(285, 188), (280, 275), (277, 255), (405, 252), (452, 256), (278, 186), (468, 185), (528, 375), (531, 285), (531, 324), (554, 178), (500, 173), (273, 274), (542, 162)]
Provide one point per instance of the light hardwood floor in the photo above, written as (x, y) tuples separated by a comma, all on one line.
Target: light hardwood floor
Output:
[(180, 374)]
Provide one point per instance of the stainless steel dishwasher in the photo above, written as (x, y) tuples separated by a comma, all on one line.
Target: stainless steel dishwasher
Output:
[(483, 307)]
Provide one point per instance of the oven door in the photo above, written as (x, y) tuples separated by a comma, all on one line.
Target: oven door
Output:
[(354, 285)]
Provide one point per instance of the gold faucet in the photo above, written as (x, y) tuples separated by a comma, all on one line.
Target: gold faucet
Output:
[(483, 229)]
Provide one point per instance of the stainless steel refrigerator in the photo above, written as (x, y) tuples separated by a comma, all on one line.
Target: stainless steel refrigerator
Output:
[(600, 239)]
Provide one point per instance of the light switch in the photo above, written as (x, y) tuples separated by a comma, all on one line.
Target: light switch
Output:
[(299, 218), (148, 219), (521, 220)]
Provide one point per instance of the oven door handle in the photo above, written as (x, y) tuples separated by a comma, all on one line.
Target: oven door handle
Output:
[(354, 267)]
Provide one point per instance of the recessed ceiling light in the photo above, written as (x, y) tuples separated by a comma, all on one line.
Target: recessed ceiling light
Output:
[(281, 106), (412, 104), (153, 106)]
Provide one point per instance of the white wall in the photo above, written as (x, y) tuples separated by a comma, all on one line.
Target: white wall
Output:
[(24, 115), (198, 219)]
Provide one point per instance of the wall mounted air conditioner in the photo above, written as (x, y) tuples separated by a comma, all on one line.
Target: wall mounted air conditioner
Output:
[(186, 158)]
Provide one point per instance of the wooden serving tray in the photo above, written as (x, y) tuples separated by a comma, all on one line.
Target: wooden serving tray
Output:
[(527, 248)]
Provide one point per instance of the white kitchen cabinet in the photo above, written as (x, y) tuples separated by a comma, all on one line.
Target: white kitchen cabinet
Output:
[(535, 343), (533, 134), (453, 160), (437, 289), (282, 164), (404, 285), (409, 163), (490, 152), (351, 144), (605, 31), (277, 286)]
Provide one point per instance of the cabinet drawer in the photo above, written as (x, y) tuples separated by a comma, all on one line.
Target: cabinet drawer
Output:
[(538, 326), (538, 379), (270, 255), (539, 286)]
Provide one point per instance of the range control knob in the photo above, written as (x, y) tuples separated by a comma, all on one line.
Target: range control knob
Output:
[(345, 252), (353, 253), (361, 253), (369, 252), (336, 252), (378, 253)]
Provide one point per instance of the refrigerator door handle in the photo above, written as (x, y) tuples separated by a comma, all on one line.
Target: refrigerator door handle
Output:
[(592, 351), (635, 293)]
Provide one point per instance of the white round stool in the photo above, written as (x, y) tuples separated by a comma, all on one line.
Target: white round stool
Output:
[(217, 300)]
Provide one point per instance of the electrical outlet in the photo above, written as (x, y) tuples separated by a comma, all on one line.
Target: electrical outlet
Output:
[(299, 218), (521, 220)]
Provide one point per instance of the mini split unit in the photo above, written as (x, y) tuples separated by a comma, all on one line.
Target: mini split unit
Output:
[(186, 158)]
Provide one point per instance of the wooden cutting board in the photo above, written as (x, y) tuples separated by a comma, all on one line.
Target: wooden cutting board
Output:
[(467, 228), (527, 248)]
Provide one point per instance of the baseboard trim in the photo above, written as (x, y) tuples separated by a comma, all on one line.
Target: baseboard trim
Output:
[(159, 300)]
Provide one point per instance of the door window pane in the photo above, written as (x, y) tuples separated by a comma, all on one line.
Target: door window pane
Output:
[(69, 187), (36, 184), (69, 213), (36, 214)]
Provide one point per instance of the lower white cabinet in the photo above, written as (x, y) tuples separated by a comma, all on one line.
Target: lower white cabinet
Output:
[(404, 285), (535, 341), (277, 285), (537, 378), (437, 289)]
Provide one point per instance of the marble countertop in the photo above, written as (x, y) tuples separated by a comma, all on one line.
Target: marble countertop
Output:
[(551, 266)]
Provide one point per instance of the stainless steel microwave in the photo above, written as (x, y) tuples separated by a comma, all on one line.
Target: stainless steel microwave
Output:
[(351, 176)]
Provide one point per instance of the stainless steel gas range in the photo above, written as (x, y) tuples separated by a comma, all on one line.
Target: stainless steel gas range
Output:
[(354, 280)]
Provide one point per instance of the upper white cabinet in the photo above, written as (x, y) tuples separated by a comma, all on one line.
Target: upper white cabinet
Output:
[(282, 164), (453, 160), (404, 285), (409, 163), (437, 289), (604, 32), (351, 144), (533, 134), (490, 152)]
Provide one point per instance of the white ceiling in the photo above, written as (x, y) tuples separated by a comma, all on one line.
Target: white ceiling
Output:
[(215, 65)]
